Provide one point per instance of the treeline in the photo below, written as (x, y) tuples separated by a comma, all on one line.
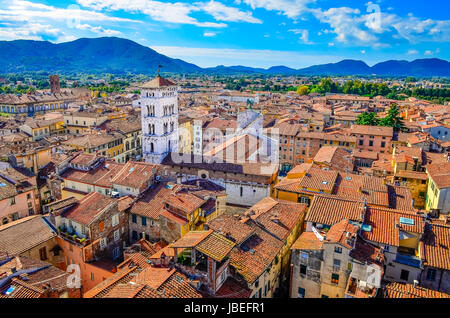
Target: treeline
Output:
[(257, 85), (370, 89), (111, 87)]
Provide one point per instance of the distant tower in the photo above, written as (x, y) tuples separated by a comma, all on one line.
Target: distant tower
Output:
[(159, 114), (55, 88)]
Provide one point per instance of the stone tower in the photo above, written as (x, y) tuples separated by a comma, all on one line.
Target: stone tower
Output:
[(54, 84), (159, 114)]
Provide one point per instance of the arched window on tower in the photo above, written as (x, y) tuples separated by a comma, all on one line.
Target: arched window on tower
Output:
[(171, 126), (165, 128), (152, 147), (127, 146)]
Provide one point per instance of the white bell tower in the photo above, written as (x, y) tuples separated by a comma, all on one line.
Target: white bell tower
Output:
[(159, 114)]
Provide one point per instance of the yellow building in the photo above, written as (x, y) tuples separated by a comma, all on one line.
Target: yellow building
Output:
[(438, 191), (105, 144), (79, 122), (34, 159), (186, 135)]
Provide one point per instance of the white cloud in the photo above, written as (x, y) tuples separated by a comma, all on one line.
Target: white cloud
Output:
[(304, 35), (98, 29), (413, 52), (29, 31), (178, 12), (221, 12), (17, 10), (429, 52), (289, 8), (346, 23), (209, 34)]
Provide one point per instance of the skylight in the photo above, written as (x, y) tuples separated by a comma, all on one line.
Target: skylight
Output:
[(325, 182), (406, 221)]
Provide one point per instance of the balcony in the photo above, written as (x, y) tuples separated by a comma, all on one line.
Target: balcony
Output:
[(74, 238), (409, 260)]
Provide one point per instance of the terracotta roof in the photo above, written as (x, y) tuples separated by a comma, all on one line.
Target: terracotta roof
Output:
[(255, 254), (151, 203), (20, 289), (215, 246), (329, 210), (231, 288), (307, 241), (231, 228), (399, 290), (435, 245), (277, 217), (191, 239), (440, 173), (135, 175), (100, 176), (372, 130), (343, 233), (22, 235), (158, 82), (91, 206), (383, 223), (41, 274)]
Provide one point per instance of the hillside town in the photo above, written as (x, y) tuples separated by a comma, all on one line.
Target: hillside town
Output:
[(190, 188)]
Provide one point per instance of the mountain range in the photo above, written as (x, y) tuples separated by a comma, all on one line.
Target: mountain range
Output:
[(116, 55)]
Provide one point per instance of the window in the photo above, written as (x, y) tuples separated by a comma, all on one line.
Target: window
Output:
[(242, 191), (337, 263), (383, 144), (134, 235), (103, 243), (338, 250), (144, 221), (301, 292), (431, 274), (101, 226), (12, 201), (335, 279), (116, 235), (133, 218), (43, 253), (361, 142), (370, 143), (404, 274), (115, 219), (28, 196), (303, 269)]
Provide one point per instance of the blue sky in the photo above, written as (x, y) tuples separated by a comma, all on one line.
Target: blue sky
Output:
[(258, 33)]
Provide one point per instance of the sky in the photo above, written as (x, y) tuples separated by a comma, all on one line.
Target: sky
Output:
[(257, 33)]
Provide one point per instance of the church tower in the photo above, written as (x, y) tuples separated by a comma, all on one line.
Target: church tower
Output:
[(159, 114)]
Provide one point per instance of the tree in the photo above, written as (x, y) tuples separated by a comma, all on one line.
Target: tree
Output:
[(369, 119), (393, 119), (302, 90)]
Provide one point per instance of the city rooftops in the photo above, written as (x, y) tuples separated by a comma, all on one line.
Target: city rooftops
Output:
[(372, 130)]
